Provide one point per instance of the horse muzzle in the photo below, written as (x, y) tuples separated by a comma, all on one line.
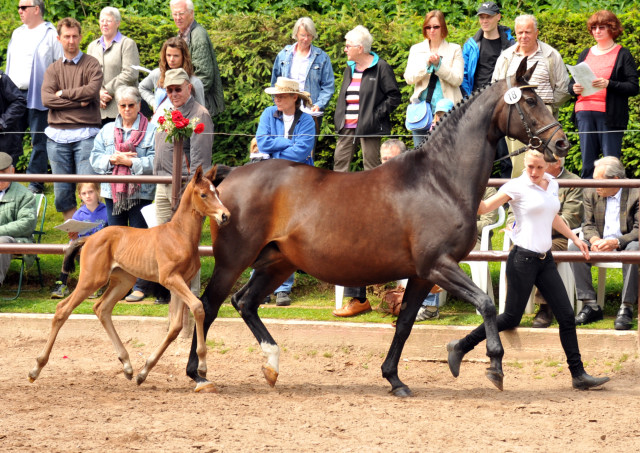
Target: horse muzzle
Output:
[(221, 218)]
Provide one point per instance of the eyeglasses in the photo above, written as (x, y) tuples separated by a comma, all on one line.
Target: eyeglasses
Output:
[(106, 21), (178, 14), (126, 106), (174, 90), (599, 27), (435, 27), (24, 8), (349, 46)]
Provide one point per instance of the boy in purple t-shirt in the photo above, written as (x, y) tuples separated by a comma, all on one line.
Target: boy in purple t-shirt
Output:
[(92, 210)]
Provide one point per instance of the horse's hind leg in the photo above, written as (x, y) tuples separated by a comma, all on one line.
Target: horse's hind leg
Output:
[(453, 279), (119, 283), (417, 289), (214, 294), (180, 292), (63, 311)]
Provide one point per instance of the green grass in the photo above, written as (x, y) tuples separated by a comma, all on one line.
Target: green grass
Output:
[(312, 299)]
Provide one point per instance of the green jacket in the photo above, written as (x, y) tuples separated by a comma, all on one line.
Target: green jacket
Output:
[(205, 65), (18, 213)]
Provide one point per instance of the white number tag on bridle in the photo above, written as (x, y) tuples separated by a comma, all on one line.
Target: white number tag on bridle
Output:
[(512, 95)]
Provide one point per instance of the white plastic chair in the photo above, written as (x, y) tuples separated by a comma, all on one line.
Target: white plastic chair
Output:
[(564, 269)]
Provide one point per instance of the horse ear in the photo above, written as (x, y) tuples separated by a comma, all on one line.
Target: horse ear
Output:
[(523, 75), (197, 176), (211, 174)]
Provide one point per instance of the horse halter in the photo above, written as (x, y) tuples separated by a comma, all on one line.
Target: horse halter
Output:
[(535, 142)]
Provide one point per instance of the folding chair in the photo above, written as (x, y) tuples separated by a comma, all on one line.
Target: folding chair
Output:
[(41, 210)]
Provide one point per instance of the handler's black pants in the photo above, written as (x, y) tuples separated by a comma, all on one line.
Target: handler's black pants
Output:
[(525, 269)]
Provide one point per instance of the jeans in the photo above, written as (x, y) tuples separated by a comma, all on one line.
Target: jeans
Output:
[(133, 218), (286, 286), (419, 135), (524, 270), (610, 143), (38, 163), (68, 159)]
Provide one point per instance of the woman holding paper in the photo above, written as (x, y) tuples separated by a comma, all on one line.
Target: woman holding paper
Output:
[(605, 112)]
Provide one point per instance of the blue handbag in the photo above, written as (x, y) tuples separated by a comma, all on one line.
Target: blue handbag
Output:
[(419, 116)]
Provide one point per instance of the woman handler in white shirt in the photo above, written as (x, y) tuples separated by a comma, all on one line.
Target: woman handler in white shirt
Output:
[(534, 200)]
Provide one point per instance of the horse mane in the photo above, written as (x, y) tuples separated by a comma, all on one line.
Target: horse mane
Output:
[(456, 111)]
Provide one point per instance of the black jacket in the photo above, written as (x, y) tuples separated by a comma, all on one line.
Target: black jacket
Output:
[(13, 106), (622, 85), (379, 96)]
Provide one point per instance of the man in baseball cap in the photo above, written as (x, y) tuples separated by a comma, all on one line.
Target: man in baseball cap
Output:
[(17, 212)]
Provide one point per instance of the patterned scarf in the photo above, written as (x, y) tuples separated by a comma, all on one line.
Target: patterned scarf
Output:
[(126, 195)]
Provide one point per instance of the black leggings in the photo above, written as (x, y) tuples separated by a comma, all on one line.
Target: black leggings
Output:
[(525, 269)]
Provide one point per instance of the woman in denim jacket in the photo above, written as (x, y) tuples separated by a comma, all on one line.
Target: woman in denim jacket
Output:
[(307, 64)]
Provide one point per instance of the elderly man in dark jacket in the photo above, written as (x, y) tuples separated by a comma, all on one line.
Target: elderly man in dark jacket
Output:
[(13, 105)]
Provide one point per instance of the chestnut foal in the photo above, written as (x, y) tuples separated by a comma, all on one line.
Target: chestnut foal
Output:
[(167, 254)]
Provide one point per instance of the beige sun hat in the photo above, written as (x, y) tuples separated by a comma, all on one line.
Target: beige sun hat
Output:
[(285, 85)]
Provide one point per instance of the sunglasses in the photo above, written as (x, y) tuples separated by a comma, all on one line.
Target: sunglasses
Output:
[(174, 90), (126, 106), (435, 27), (599, 27), (24, 8)]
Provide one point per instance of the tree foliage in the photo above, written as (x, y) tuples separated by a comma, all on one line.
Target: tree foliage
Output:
[(248, 34)]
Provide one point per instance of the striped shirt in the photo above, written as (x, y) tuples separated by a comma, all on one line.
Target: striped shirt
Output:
[(353, 101), (540, 76)]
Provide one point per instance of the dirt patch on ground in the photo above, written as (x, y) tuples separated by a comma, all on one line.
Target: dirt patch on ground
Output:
[(330, 399)]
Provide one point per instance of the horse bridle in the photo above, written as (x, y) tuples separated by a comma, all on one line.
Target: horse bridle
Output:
[(535, 142)]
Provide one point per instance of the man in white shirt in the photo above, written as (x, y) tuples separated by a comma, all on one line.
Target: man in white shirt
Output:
[(610, 223), (33, 47)]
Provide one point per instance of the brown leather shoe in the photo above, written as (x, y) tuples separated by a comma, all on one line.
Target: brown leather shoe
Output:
[(354, 307), (543, 318)]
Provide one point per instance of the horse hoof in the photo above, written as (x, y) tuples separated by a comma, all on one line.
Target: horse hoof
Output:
[(495, 377), (140, 379), (402, 392), (129, 376), (32, 380), (270, 375), (206, 387)]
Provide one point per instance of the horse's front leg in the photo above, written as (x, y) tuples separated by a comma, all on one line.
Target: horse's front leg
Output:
[(415, 292), (454, 280), (264, 281)]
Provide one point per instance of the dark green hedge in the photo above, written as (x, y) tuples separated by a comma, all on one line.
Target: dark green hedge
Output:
[(247, 44)]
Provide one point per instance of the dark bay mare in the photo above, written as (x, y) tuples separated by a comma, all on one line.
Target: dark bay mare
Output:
[(413, 217)]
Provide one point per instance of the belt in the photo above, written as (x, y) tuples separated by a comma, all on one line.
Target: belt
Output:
[(525, 252)]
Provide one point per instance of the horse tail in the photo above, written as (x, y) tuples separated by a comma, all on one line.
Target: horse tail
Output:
[(69, 262)]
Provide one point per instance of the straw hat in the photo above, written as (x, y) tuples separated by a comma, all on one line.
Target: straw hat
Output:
[(285, 85)]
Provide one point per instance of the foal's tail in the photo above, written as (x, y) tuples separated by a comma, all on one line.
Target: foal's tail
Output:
[(69, 262), (222, 172)]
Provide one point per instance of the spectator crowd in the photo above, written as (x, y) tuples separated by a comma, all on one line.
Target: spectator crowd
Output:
[(87, 113)]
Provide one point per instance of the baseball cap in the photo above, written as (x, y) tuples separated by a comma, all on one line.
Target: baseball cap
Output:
[(489, 8)]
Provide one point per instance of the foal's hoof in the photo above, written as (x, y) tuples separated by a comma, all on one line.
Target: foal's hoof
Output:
[(495, 377), (270, 375), (129, 376), (32, 380), (140, 379), (402, 392), (206, 387)]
